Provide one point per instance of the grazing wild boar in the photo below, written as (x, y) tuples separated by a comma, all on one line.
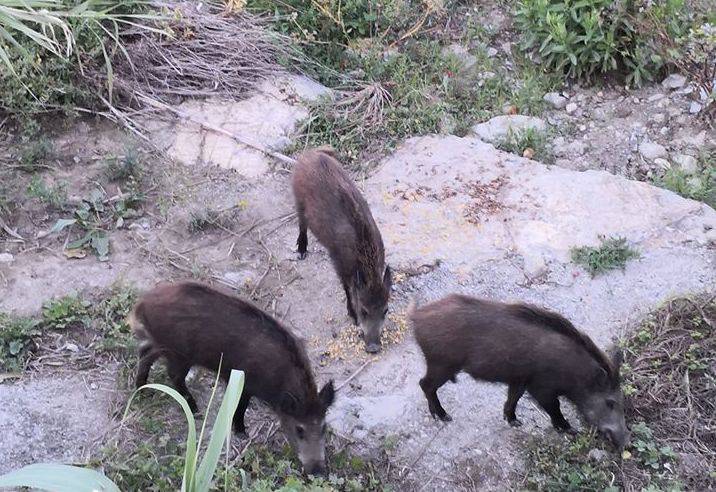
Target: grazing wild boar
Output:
[(190, 324), (527, 348), (330, 205)]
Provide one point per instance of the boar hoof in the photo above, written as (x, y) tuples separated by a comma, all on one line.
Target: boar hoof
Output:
[(515, 423), (445, 417), (302, 256)]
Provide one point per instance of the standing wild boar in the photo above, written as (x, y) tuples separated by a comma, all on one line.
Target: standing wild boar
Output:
[(192, 324), (527, 348), (329, 203)]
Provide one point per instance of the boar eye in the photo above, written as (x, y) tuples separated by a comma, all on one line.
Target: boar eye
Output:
[(385, 311), (300, 432), (364, 312), (610, 404)]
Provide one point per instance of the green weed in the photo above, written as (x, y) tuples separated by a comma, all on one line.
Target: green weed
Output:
[(701, 186), (65, 312), (54, 196), (34, 155), (16, 342), (529, 139), (612, 253), (126, 167), (110, 315), (580, 39), (95, 216)]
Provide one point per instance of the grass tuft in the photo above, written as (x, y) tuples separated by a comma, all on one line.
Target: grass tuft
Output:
[(530, 143), (613, 253)]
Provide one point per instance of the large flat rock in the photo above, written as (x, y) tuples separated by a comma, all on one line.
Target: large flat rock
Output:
[(502, 228)]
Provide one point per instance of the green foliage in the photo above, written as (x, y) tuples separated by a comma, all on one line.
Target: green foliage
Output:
[(110, 315), (58, 478), (529, 138), (647, 450), (95, 216), (16, 342), (34, 154), (611, 254), (47, 45), (54, 196), (564, 464), (124, 168), (586, 37), (700, 186), (65, 312)]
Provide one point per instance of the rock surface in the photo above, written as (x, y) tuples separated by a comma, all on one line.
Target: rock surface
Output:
[(498, 128), (556, 100), (267, 119), (652, 150)]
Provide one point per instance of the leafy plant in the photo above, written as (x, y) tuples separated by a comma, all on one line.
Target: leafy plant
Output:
[(66, 312), (126, 167), (700, 186), (198, 475), (95, 215), (530, 142), (611, 254), (34, 154), (582, 38), (16, 341), (48, 43), (111, 318), (55, 196)]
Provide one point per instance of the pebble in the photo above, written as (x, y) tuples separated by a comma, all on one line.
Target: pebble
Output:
[(658, 118), (554, 99), (582, 128), (664, 130), (492, 52), (656, 97), (674, 81), (571, 108), (695, 107), (652, 150)]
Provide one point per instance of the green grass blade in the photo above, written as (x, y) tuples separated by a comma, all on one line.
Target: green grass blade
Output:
[(191, 449), (221, 432), (58, 478)]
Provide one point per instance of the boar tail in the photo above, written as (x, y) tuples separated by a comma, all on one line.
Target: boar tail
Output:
[(138, 328)]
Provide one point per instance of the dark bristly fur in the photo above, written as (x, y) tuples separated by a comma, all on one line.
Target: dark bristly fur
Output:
[(331, 206), (191, 324), (526, 347)]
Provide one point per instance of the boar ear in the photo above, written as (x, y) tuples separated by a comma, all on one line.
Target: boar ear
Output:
[(387, 278), (616, 355), (327, 395), (288, 403)]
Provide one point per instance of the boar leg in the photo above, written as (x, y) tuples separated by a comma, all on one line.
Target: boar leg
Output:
[(514, 393), (302, 241), (147, 356), (349, 304), (239, 426), (177, 372), (434, 379), (550, 402)]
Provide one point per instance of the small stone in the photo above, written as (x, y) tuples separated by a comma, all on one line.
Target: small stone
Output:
[(462, 54), (6, 258), (571, 108), (528, 153), (662, 163), (656, 97), (582, 128), (555, 100), (651, 150), (93, 386), (673, 81), (577, 148), (622, 111), (695, 107), (687, 163), (506, 47), (72, 347), (664, 130), (600, 94), (597, 454), (658, 118), (491, 52)]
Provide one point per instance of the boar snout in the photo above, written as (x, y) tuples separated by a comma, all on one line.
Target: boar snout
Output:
[(371, 336), (617, 436)]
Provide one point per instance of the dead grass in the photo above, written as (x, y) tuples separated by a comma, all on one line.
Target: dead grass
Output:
[(671, 379)]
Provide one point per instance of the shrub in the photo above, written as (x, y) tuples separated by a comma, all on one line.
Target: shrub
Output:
[(581, 38), (612, 253), (16, 343)]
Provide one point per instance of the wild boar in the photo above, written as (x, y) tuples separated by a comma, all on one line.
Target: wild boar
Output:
[(525, 347), (331, 206), (191, 324)]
